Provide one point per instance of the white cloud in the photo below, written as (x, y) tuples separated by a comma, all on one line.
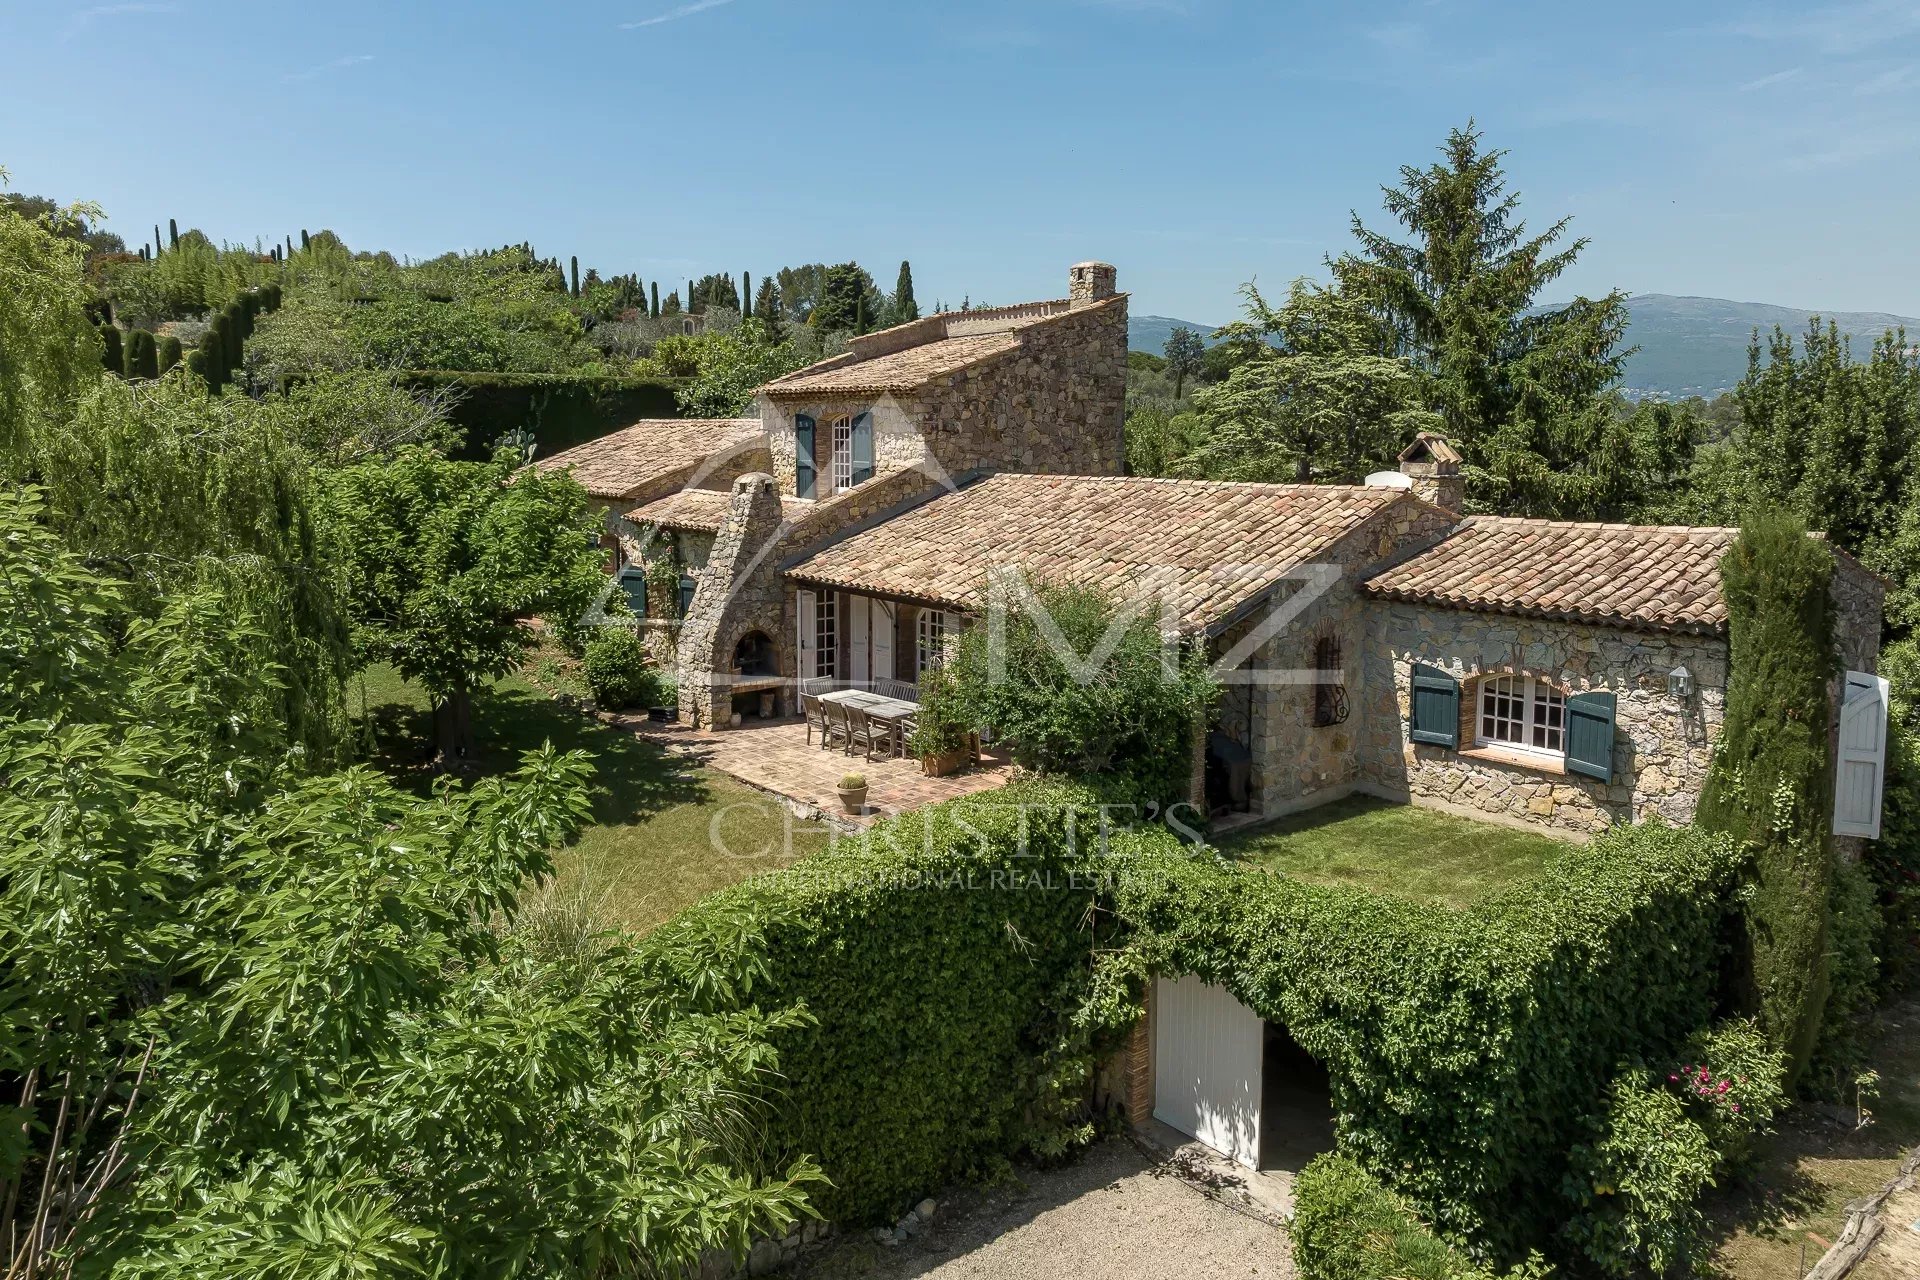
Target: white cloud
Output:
[(351, 60), (1891, 81), (80, 20), (674, 15), (1766, 82)]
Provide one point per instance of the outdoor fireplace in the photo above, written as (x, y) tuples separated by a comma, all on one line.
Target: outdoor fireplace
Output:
[(755, 656)]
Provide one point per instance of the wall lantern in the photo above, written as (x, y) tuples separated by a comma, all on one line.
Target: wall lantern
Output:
[(1680, 683)]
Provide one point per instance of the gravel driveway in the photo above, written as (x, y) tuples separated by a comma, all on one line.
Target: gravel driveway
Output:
[(1114, 1214)]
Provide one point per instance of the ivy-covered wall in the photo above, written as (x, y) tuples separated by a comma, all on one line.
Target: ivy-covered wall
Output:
[(562, 410), (938, 958), (1466, 1049)]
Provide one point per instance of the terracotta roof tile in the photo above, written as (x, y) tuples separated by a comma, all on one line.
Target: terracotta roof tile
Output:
[(896, 371), (616, 465), (1663, 578), (1223, 542), (702, 510)]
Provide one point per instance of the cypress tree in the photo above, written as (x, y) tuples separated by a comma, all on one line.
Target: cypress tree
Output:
[(574, 260), (746, 294), (143, 359), (655, 312), (156, 240), (690, 298), (1770, 786), (213, 353), (173, 234), (306, 241), (169, 352), (197, 364), (904, 306), (112, 354)]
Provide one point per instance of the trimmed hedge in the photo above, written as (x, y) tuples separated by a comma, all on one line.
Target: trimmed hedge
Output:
[(560, 409), (1346, 1226), (938, 956), (1467, 1050)]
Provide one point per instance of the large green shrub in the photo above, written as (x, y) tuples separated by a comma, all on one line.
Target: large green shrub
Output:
[(1769, 786), (1464, 1048), (940, 957), (617, 668), (1854, 936), (1346, 1226), (143, 355), (561, 410), (1128, 718)]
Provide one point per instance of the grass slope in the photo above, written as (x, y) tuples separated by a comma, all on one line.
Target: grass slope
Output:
[(1398, 849), (665, 832)]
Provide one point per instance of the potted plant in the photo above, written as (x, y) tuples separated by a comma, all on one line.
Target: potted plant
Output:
[(853, 792), (940, 739)]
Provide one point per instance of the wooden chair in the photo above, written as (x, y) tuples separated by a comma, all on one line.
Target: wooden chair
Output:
[(863, 731), (815, 711), (834, 722), (903, 729)]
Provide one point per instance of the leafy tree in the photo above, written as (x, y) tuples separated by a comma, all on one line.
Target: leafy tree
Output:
[(1124, 718), (446, 562), (730, 367), (271, 1024), (1769, 785), (672, 305), (800, 290), (714, 290), (902, 306), (1459, 297), (1184, 353), (1158, 440), (1330, 404), (52, 350), (847, 296)]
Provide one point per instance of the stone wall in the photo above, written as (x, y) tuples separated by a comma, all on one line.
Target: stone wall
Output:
[(736, 595), (1270, 710), (898, 440), (1057, 406), (1662, 744)]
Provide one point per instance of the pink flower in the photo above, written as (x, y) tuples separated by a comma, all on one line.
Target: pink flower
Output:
[(1736, 1108), (1674, 1079), (1723, 1086)]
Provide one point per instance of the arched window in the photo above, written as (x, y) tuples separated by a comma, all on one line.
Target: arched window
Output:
[(1524, 712)]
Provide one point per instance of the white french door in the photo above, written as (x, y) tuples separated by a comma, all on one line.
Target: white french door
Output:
[(859, 641)]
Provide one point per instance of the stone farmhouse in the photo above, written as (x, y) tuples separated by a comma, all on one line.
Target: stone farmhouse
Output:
[(1370, 638)]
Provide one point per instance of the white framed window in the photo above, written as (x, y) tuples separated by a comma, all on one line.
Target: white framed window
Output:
[(840, 468), (1520, 711), (826, 646), (930, 641)]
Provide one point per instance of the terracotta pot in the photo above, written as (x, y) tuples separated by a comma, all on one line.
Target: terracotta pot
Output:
[(852, 799), (943, 763)]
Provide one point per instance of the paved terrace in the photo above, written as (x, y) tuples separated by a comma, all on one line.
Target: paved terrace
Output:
[(775, 756)]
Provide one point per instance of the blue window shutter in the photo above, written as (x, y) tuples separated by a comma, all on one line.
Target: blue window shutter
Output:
[(803, 467), (633, 582), (862, 447), (1590, 735), (687, 585), (1436, 707)]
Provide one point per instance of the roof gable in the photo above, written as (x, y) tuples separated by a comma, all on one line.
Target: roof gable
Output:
[(622, 463)]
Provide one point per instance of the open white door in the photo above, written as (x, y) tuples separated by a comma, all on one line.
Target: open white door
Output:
[(1207, 1050), (805, 609), (1860, 768), (860, 670), (883, 624)]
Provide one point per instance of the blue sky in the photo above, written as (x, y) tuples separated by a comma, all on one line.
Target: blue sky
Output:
[(1766, 152)]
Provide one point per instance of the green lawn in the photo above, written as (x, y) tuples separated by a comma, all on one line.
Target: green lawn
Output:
[(665, 832), (1398, 849)]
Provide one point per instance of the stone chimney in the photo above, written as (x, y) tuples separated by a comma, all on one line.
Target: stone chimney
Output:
[(1090, 282), (739, 591), (1433, 464)]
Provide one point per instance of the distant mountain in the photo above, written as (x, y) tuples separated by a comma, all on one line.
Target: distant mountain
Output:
[(1698, 346), (1688, 346)]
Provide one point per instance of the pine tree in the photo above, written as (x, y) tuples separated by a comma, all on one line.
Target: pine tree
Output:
[(173, 234), (574, 261), (112, 351), (1184, 352), (143, 358), (904, 306), (766, 306), (169, 352), (1459, 295)]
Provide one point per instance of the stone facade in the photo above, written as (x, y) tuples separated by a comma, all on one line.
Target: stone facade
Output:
[(735, 597), (1662, 744)]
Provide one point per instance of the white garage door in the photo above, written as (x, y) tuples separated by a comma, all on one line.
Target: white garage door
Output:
[(1206, 1065)]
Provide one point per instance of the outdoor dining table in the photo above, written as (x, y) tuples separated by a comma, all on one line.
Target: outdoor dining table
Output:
[(878, 706)]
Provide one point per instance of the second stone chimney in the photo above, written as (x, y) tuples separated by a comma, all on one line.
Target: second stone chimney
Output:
[(1090, 282), (1433, 464)]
